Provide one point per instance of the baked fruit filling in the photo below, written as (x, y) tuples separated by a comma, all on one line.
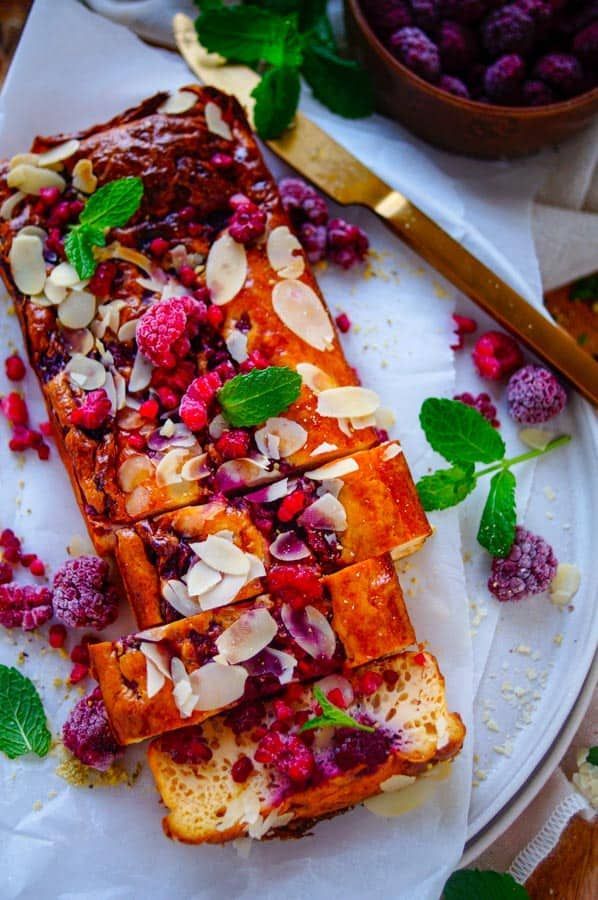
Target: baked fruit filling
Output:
[(186, 671), (280, 537), (263, 767)]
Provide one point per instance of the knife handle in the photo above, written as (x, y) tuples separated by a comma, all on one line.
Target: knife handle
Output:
[(490, 293)]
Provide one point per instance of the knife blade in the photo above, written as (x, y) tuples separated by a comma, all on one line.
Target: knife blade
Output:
[(340, 175)]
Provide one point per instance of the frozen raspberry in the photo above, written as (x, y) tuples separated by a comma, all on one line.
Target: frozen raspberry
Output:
[(484, 405), (504, 78), (233, 444), (453, 85), (24, 606), (14, 367), (534, 395), (585, 46), (343, 323), (162, 330), (527, 570), (87, 733), (496, 355), (416, 51), (302, 202), (6, 572), (508, 30), (426, 13), (83, 596), (464, 11), (541, 13), (241, 769), (386, 16), (15, 409), (457, 47), (178, 379), (352, 748), (536, 93), (103, 279), (313, 241), (287, 754), (94, 412), (247, 223), (463, 325), (11, 545), (298, 585), (347, 244), (562, 72)]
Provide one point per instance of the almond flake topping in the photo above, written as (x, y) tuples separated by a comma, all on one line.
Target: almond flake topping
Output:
[(127, 331), (322, 448), (288, 548), (282, 247), (301, 310), (216, 685), (169, 468), (247, 636), (175, 593), (222, 555), (200, 578), (141, 373), (215, 123), (27, 263), (315, 379), (31, 180), (336, 469), (157, 670), (196, 468), (83, 178), (179, 102), (64, 275), (391, 451), (59, 153), (324, 514), (77, 310), (236, 343), (289, 437), (226, 269), (85, 373), (347, 402), (9, 205), (134, 471)]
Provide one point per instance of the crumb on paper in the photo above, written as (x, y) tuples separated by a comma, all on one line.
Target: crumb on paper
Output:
[(549, 493), (77, 774), (586, 777), (505, 749), (557, 639), (523, 649), (37, 806)]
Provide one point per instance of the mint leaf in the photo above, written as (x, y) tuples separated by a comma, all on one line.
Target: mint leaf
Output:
[(460, 433), (276, 100), (341, 84), (472, 884), (112, 205), (332, 716), (250, 34), (446, 487), (592, 756), (252, 398), (78, 246), (499, 518), (586, 288), (23, 726)]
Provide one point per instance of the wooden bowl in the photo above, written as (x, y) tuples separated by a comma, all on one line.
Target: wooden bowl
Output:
[(455, 124)]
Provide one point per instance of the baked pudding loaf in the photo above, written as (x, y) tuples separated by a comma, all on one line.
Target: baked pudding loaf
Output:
[(337, 514), (247, 303), (186, 671), (245, 775)]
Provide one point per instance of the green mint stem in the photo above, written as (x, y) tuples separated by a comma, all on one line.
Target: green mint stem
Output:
[(523, 457)]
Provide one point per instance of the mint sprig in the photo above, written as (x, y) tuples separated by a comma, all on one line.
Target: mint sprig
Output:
[(592, 756), (252, 398), (474, 884), (111, 206), (280, 39), (464, 437), (23, 726), (332, 716)]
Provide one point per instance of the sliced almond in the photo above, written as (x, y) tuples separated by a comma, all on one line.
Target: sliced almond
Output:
[(358, 423), (141, 373), (285, 253), (391, 451), (218, 426), (86, 373), (236, 343), (385, 418), (83, 178), (175, 593), (19, 159), (311, 630), (325, 514), (347, 402), (31, 180), (322, 448), (179, 102), (127, 331), (216, 685), (133, 471), (77, 310), (128, 254), (336, 469), (226, 269), (215, 123), (223, 593), (315, 378), (200, 578), (301, 310), (238, 473), (121, 390), (290, 436), (10, 204), (80, 341), (288, 548), (168, 470), (565, 584), (27, 263), (247, 636), (64, 275), (138, 501), (222, 555), (196, 468), (58, 153)]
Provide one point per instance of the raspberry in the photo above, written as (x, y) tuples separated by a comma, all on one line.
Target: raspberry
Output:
[(158, 247), (416, 51), (313, 241), (255, 360), (283, 711), (36, 567), (483, 404), (287, 754), (149, 409), (15, 367), (496, 355), (464, 11), (298, 585), (246, 717), (426, 13), (352, 748), (187, 276), (205, 387), (386, 16), (233, 444), (168, 398), (347, 244), (247, 223), (78, 673), (504, 78), (80, 654), (508, 30), (136, 441), (534, 395), (457, 47), (57, 636), (24, 606), (83, 596), (292, 505), (178, 379), (463, 325), (162, 330), (540, 11), (87, 733), (15, 409), (6, 572), (585, 45), (94, 412), (46, 429), (454, 86), (562, 72), (103, 279), (215, 317), (343, 322), (193, 413), (337, 697), (241, 769), (536, 93), (527, 570), (369, 683), (302, 202)]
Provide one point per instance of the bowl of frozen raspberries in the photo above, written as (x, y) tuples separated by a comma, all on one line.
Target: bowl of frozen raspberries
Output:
[(486, 78)]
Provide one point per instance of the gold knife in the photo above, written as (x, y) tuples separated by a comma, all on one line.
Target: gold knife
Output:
[(346, 180)]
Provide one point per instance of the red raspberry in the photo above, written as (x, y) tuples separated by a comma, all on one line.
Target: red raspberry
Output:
[(15, 409), (6, 572), (484, 405), (43, 451), (194, 413), (215, 317), (463, 325), (292, 505), (343, 322), (337, 697), (313, 240), (46, 429), (78, 673), (225, 370), (369, 683), (24, 606), (178, 379), (168, 398), (94, 411), (57, 636), (247, 223), (36, 567), (347, 244), (205, 387), (161, 331), (282, 711), (241, 769), (149, 409), (15, 367), (103, 279), (158, 247), (496, 355), (233, 444), (255, 360), (288, 754), (27, 559), (295, 584)]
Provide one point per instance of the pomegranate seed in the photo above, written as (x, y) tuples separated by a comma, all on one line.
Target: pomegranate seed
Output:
[(101, 283), (194, 413), (168, 398), (37, 567), (282, 711), (419, 659), (255, 360), (187, 276), (136, 441), (27, 559), (43, 452), (57, 636), (80, 654), (225, 371), (293, 692), (292, 505), (337, 697), (343, 322), (241, 769), (15, 409), (186, 214), (158, 247), (215, 317), (370, 682), (46, 429), (258, 733), (222, 161), (49, 195), (78, 673), (15, 368), (149, 409), (6, 572), (54, 242)]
